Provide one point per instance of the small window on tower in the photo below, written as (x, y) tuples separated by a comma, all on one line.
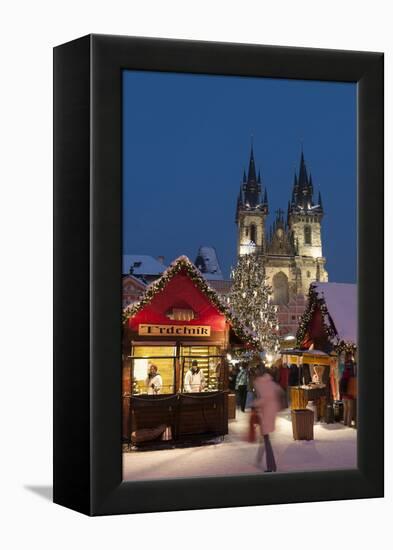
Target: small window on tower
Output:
[(308, 274), (307, 234)]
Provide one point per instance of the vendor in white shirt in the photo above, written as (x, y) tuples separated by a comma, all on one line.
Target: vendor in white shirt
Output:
[(194, 380), (153, 381)]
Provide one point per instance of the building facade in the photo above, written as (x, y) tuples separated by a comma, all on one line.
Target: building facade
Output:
[(291, 247), (133, 288)]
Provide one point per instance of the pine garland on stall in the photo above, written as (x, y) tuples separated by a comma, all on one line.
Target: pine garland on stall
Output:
[(314, 301), (250, 300), (184, 264)]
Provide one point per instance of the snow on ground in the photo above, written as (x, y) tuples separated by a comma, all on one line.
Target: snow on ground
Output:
[(333, 447)]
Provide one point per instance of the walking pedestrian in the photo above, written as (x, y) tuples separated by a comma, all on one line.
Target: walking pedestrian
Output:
[(241, 386), (267, 405)]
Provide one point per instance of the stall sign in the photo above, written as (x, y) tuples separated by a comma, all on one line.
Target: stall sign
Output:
[(317, 359), (174, 330)]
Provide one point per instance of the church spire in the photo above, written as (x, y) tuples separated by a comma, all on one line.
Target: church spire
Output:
[(303, 179), (251, 167), (302, 194), (252, 185)]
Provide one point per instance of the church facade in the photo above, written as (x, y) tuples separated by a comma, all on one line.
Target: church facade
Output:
[(291, 247)]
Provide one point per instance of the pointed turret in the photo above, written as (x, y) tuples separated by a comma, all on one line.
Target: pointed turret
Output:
[(295, 189), (259, 177), (244, 176), (239, 197), (239, 203), (251, 167), (265, 201), (310, 184), (320, 202)]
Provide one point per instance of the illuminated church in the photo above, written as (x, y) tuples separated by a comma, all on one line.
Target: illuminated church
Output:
[(291, 247)]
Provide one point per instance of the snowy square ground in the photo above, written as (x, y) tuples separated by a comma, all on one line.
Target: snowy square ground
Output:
[(333, 447)]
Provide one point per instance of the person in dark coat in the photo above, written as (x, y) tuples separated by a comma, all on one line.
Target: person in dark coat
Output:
[(242, 386), (232, 378)]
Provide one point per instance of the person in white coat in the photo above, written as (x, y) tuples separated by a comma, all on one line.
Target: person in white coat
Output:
[(194, 380), (267, 405), (153, 381)]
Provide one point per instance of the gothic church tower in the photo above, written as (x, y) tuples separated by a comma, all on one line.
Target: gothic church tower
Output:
[(251, 212), (304, 221), (291, 249)]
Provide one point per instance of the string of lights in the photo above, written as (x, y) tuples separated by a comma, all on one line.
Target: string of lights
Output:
[(184, 264), (250, 299)]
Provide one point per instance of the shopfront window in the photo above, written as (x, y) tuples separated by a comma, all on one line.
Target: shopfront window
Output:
[(149, 380), (158, 370), (208, 360)]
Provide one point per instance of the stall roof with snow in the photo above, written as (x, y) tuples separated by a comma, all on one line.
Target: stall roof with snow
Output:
[(179, 290), (330, 318)]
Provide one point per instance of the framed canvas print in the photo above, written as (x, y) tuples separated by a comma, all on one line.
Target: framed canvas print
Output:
[(218, 275)]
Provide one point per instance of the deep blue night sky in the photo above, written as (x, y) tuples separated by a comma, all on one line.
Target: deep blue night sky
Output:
[(186, 141)]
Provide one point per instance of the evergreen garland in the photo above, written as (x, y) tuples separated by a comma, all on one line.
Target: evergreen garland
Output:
[(184, 264), (314, 301), (249, 299)]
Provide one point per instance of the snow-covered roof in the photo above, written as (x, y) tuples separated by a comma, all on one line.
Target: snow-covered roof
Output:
[(342, 304), (142, 265), (200, 282), (207, 263), (137, 282)]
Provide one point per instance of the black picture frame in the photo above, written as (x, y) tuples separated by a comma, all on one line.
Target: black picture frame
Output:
[(87, 273)]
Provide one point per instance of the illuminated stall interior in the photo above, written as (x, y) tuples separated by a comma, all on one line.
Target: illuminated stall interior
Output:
[(173, 362), (327, 340), (178, 325)]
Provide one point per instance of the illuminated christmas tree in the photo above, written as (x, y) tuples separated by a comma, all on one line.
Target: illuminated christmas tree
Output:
[(250, 300)]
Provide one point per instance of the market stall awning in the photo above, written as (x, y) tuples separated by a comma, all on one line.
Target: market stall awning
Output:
[(313, 357)]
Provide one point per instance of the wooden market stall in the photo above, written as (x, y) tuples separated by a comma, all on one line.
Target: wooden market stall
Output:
[(312, 373), (329, 326), (175, 373)]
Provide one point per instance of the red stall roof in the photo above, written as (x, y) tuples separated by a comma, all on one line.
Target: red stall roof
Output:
[(183, 286)]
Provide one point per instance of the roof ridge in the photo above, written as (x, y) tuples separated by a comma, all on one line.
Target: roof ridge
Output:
[(200, 282)]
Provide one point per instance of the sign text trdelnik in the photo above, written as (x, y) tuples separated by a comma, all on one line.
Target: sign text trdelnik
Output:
[(173, 330)]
